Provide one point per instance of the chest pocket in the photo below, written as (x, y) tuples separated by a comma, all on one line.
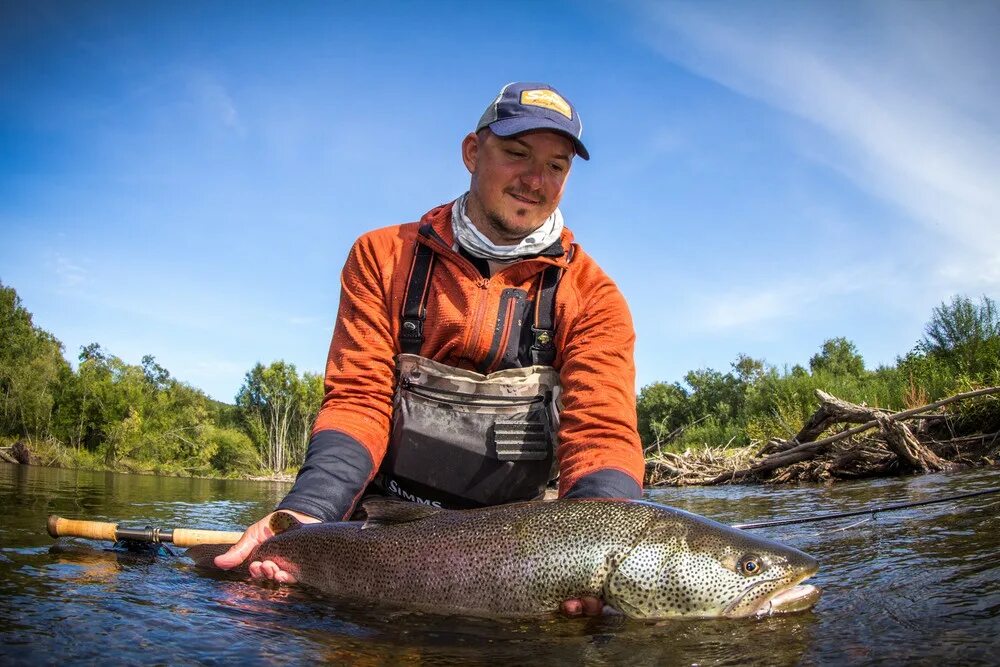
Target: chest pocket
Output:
[(463, 439)]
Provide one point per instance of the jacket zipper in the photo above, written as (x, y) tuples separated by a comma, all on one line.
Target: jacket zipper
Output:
[(501, 338)]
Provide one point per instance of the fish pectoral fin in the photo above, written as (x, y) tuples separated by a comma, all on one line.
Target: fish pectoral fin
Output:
[(382, 511), (204, 555)]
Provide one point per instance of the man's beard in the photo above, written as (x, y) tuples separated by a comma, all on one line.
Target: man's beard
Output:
[(504, 229)]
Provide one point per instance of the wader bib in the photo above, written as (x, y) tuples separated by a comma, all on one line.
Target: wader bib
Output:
[(463, 439)]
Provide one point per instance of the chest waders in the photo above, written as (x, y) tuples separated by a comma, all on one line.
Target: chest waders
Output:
[(464, 439)]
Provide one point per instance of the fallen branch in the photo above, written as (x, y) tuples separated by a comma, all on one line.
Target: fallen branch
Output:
[(918, 458), (908, 449)]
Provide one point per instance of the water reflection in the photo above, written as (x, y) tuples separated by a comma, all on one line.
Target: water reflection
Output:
[(921, 585)]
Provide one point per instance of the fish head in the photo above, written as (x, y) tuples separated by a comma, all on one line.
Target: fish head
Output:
[(687, 566)]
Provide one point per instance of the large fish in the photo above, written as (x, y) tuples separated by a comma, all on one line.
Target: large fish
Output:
[(645, 560)]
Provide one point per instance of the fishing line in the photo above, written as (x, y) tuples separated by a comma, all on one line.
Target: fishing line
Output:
[(871, 510)]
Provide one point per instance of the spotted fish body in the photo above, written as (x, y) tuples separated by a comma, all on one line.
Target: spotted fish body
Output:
[(524, 559)]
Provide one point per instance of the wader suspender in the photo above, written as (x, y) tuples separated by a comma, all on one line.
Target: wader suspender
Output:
[(543, 330), (411, 330)]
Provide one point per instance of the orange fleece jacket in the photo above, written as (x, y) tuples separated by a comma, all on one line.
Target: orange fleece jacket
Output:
[(594, 342)]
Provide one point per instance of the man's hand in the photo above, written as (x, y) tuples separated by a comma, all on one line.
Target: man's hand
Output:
[(587, 606), (252, 538)]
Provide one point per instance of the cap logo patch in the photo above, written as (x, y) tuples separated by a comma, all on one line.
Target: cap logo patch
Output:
[(548, 99)]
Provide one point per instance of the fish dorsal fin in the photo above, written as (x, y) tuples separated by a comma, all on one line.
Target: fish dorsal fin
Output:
[(282, 522), (384, 511)]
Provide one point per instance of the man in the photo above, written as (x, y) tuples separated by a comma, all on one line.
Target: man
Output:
[(478, 353)]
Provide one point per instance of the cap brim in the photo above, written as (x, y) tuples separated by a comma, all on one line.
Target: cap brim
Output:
[(508, 127)]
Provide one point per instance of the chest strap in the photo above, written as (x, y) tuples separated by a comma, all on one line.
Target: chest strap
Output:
[(411, 328), (543, 329)]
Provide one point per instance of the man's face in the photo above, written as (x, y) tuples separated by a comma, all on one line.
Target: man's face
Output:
[(517, 182)]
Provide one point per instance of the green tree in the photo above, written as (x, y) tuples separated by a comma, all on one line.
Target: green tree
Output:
[(716, 394), (838, 356), (31, 365), (309, 398), (713, 409), (123, 412), (175, 415), (93, 404), (966, 336), (232, 452), (157, 376), (661, 408), (961, 323), (278, 408), (113, 405)]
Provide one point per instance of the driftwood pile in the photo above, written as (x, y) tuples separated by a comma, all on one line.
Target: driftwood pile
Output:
[(16, 453), (923, 439)]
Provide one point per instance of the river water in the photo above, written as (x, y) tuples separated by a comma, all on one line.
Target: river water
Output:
[(917, 586)]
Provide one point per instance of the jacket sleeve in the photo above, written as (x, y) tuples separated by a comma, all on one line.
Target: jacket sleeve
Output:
[(351, 430), (600, 454)]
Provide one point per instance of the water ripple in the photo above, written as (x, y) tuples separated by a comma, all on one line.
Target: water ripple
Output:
[(919, 585)]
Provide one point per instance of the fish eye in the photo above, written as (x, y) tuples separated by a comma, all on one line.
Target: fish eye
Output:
[(750, 565)]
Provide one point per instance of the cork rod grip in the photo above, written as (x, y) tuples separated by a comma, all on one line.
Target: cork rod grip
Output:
[(189, 537), (95, 530), (98, 530)]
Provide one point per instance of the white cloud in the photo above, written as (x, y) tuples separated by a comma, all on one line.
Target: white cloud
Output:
[(757, 308), (69, 273), (903, 92), (738, 310), (213, 97)]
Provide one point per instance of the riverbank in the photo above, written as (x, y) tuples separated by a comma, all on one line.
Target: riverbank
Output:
[(861, 442), (52, 454), (960, 431)]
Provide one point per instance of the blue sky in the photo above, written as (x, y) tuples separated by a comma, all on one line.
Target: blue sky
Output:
[(185, 179)]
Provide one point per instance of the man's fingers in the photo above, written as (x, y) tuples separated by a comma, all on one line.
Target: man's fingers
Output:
[(588, 606), (254, 536), (592, 606), (572, 607), (270, 570), (273, 571), (240, 551), (285, 578), (237, 553)]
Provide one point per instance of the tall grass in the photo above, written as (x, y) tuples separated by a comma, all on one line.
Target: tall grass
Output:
[(775, 404)]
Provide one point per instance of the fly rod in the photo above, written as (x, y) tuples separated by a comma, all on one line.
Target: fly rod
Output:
[(99, 530), (189, 537), (869, 510)]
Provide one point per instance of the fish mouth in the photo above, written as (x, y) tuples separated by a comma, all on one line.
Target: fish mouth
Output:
[(797, 598)]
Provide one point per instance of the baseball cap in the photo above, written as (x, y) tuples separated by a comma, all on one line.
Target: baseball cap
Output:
[(524, 106)]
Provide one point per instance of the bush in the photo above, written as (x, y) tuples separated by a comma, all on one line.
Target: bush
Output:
[(232, 452)]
